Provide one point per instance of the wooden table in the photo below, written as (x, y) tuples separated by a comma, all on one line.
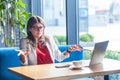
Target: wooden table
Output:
[(50, 72)]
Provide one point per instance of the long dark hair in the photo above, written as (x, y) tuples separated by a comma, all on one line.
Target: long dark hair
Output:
[(33, 20)]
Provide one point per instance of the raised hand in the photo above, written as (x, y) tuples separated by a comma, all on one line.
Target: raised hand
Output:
[(75, 48), (22, 55)]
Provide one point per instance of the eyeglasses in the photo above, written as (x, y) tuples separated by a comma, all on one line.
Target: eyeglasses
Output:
[(38, 28)]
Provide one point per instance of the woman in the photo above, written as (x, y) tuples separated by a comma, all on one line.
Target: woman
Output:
[(38, 48)]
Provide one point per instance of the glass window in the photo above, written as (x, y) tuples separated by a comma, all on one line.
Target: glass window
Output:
[(101, 20), (55, 19)]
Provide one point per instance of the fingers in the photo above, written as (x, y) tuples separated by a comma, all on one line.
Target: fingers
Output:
[(17, 50), (26, 53), (75, 47), (22, 53)]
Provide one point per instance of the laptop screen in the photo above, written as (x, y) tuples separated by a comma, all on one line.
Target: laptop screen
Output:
[(98, 53)]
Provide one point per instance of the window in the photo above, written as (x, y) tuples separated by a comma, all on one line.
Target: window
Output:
[(101, 19), (54, 15)]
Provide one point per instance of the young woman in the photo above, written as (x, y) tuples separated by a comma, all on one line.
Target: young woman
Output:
[(38, 48)]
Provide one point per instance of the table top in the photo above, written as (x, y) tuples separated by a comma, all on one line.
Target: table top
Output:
[(50, 72)]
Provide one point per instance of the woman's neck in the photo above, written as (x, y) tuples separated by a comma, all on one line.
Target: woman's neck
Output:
[(37, 40)]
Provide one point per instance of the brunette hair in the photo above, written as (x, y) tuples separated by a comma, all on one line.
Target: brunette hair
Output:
[(33, 20)]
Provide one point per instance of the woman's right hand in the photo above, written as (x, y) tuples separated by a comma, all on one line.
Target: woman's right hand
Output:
[(22, 55)]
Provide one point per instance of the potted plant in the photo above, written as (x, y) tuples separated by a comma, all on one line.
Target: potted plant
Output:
[(13, 17)]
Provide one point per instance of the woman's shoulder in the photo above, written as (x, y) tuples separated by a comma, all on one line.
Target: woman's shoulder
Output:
[(25, 39), (49, 37)]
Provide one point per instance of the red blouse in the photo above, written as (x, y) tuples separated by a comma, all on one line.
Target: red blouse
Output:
[(43, 55)]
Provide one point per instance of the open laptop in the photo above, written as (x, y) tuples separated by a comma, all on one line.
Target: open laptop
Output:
[(98, 53)]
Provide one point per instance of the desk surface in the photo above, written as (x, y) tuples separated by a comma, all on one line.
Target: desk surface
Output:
[(48, 71)]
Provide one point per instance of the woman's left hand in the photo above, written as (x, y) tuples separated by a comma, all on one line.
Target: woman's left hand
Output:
[(75, 48)]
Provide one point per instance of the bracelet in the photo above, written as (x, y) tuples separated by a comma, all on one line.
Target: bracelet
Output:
[(68, 51)]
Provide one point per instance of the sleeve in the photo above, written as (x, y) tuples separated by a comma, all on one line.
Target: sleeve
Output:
[(57, 54), (24, 47)]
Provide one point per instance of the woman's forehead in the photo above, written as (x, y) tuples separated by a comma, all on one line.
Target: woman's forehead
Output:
[(37, 24)]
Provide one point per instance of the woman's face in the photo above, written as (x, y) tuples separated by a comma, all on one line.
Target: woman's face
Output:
[(37, 30)]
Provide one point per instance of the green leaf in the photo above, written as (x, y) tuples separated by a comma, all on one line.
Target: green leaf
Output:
[(21, 4)]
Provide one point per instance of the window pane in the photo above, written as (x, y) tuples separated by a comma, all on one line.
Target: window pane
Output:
[(101, 19), (55, 19), (103, 23)]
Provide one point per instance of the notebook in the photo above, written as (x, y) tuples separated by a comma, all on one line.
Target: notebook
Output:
[(98, 53)]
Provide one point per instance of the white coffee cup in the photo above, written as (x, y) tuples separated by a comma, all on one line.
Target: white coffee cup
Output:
[(77, 63)]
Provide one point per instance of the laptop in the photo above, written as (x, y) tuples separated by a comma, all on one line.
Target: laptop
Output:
[(98, 53)]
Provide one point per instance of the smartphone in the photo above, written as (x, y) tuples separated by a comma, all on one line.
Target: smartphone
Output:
[(62, 65)]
